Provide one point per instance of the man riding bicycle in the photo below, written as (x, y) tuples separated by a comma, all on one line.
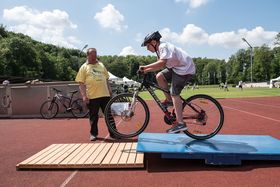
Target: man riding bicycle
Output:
[(179, 70)]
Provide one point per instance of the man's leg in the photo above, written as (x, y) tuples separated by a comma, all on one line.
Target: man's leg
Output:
[(177, 102), (162, 82), (181, 125), (94, 105), (177, 84)]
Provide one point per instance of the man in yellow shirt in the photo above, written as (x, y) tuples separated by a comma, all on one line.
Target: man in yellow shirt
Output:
[(95, 88)]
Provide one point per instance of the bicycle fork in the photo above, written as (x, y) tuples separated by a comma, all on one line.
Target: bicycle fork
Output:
[(51, 104), (132, 105)]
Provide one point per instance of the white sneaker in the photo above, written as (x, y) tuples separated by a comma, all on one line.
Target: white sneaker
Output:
[(92, 138)]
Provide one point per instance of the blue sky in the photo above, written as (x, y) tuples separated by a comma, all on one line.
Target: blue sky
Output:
[(203, 28)]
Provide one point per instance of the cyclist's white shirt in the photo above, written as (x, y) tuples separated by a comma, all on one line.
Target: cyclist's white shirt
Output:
[(177, 59)]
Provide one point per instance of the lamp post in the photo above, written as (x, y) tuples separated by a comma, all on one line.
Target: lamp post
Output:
[(251, 48), (83, 48)]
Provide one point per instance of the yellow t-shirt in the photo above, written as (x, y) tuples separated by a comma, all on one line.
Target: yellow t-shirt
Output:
[(95, 77)]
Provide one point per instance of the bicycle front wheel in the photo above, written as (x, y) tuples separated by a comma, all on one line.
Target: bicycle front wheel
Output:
[(126, 118), (79, 108), (203, 115), (49, 109)]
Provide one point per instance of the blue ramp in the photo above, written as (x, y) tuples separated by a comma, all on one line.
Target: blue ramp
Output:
[(219, 150)]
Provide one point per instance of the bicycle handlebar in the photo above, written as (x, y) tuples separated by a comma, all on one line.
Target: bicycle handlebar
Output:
[(140, 71), (60, 91)]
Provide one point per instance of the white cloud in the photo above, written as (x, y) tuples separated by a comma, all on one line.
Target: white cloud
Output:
[(45, 26), (192, 34), (256, 37), (193, 4), (110, 18), (127, 51)]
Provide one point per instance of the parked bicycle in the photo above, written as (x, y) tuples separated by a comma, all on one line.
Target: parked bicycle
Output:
[(6, 101), (50, 108), (203, 114)]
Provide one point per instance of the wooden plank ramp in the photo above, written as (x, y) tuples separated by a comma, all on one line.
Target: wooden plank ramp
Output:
[(85, 155)]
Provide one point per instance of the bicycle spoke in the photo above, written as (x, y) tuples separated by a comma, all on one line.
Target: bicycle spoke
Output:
[(49, 109), (124, 118), (203, 117), (79, 108)]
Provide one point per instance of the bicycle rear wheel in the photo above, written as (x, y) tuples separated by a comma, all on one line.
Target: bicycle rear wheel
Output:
[(49, 109), (79, 108), (203, 115), (125, 120)]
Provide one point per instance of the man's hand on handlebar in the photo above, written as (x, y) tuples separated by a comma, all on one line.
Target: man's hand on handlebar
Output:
[(141, 70)]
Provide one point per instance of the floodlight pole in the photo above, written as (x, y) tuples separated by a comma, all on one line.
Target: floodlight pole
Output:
[(251, 58), (83, 48)]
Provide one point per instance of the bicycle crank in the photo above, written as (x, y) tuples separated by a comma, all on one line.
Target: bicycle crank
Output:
[(169, 120)]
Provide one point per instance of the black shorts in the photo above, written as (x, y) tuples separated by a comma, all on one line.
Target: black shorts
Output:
[(178, 82)]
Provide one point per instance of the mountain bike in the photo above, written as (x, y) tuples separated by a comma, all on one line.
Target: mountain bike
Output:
[(50, 108), (127, 114), (6, 101)]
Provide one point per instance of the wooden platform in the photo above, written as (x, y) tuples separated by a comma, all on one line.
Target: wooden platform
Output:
[(91, 155)]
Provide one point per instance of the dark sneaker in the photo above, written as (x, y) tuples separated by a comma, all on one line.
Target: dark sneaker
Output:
[(114, 136), (167, 103), (177, 128)]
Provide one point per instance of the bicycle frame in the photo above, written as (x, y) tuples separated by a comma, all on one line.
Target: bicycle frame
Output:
[(61, 97), (149, 85)]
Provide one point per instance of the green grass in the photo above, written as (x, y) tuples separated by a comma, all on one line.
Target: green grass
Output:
[(219, 93)]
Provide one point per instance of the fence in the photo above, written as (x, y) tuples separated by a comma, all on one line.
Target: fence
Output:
[(24, 101)]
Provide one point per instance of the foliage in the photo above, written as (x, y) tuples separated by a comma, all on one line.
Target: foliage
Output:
[(24, 57)]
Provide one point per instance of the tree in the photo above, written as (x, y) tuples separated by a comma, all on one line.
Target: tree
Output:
[(3, 32), (49, 70), (21, 58), (275, 64), (118, 68), (277, 38), (200, 63), (262, 63)]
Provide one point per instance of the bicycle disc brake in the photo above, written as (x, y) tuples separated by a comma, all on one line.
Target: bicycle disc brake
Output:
[(126, 115)]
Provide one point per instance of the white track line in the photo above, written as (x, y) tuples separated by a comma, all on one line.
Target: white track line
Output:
[(253, 114), (68, 179), (241, 101)]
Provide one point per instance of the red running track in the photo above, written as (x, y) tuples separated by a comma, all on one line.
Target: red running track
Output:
[(21, 138)]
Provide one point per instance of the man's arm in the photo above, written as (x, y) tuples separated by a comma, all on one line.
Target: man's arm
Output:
[(154, 66), (109, 88), (82, 88)]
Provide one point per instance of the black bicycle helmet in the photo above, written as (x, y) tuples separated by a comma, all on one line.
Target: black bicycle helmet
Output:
[(152, 36)]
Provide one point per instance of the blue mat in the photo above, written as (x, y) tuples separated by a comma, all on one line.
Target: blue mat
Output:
[(219, 150)]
